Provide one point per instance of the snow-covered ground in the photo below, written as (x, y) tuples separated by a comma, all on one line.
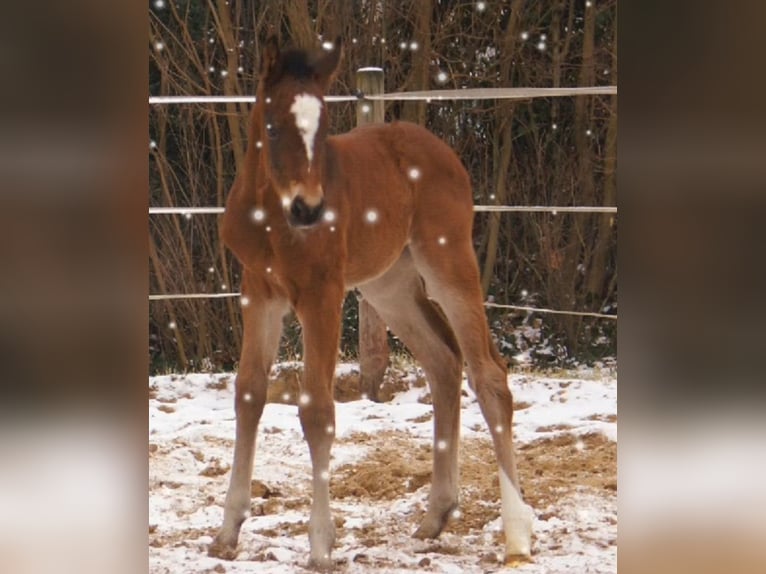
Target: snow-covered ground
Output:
[(565, 427)]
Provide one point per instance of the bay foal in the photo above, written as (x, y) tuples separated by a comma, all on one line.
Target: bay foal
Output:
[(386, 208)]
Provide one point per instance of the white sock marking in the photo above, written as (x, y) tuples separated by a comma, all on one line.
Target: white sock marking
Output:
[(307, 110), (517, 519)]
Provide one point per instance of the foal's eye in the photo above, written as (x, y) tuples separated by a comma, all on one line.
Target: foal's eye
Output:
[(271, 131)]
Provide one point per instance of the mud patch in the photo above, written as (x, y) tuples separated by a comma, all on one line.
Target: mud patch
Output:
[(550, 469), (395, 466)]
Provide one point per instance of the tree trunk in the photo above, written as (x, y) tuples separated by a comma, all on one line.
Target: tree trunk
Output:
[(597, 279), (302, 33), (504, 120), (415, 110), (586, 195)]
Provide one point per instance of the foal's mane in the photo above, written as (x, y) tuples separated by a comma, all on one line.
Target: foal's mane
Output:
[(300, 64), (294, 63)]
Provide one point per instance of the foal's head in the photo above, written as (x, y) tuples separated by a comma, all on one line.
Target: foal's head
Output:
[(294, 125)]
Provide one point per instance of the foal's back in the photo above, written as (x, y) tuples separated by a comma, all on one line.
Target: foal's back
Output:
[(395, 183)]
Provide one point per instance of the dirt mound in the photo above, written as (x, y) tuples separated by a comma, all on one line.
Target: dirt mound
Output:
[(396, 467)]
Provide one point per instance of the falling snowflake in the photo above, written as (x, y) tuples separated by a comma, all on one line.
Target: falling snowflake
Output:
[(172, 325), (442, 77), (371, 216), (555, 126), (413, 173), (442, 240), (304, 399), (499, 429), (481, 6), (268, 269), (258, 144), (159, 4), (152, 144), (211, 269), (240, 69), (224, 73), (441, 445), (325, 475), (456, 514), (244, 301), (525, 36), (329, 216), (414, 46), (329, 46), (403, 45), (541, 46), (330, 429), (247, 397), (580, 445), (159, 46), (268, 229), (365, 108), (258, 214), (285, 202)]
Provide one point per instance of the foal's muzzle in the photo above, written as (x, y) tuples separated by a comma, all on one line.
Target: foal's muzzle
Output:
[(301, 214)]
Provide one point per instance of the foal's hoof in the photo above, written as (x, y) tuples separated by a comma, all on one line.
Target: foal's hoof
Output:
[(427, 532), (514, 560), (218, 549), (433, 524), (323, 564)]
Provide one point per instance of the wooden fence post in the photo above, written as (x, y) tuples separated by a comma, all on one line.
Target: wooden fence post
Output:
[(373, 338)]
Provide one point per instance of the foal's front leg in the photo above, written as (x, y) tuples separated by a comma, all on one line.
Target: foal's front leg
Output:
[(262, 320), (320, 316)]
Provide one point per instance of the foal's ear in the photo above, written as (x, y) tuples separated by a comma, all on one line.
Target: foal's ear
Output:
[(326, 64), (270, 55)]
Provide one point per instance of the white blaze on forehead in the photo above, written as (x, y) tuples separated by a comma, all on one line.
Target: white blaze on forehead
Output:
[(307, 109)]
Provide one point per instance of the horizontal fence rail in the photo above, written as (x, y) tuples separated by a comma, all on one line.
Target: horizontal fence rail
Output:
[(501, 208), (160, 100), (428, 96)]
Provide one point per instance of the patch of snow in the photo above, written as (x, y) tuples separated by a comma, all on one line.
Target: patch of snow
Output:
[(192, 423)]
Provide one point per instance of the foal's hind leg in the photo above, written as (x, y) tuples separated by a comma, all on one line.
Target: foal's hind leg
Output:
[(452, 279), (262, 319), (400, 299)]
